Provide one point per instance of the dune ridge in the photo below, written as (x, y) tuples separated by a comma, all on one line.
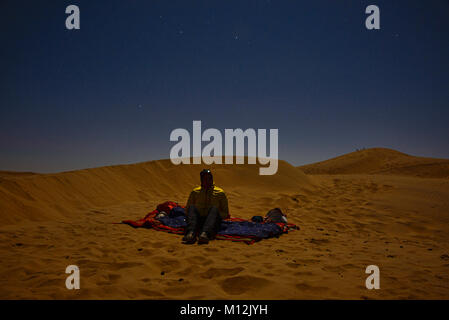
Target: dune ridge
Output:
[(381, 161), (45, 196)]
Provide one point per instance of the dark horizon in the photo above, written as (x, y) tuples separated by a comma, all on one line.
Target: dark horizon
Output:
[(111, 92)]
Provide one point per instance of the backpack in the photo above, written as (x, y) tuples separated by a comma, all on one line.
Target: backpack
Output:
[(167, 206), (275, 215)]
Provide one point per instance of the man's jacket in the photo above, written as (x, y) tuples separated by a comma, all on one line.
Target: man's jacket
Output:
[(203, 200)]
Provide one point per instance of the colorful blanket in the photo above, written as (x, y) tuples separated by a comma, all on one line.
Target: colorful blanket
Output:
[(234, 229)]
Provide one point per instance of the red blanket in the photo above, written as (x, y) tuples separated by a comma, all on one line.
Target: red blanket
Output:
[(150, 221)]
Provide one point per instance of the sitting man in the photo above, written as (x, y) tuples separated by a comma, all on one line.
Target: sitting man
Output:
[(206, 207)]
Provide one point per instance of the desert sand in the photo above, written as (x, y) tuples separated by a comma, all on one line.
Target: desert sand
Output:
[(376, 206), (381, 161)]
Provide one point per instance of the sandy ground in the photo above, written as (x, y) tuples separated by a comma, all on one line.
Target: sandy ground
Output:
[(399, 223)]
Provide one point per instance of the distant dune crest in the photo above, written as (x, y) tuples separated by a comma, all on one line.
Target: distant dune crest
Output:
[(381, 161)]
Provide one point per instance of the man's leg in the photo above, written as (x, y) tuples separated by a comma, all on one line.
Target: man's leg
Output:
[(212, 223), (192, 225)]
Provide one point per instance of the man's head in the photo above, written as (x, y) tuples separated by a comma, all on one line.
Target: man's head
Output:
[(207, 179)]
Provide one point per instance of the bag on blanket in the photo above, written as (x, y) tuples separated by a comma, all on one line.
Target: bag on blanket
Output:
[(167, 206), (275, 215)]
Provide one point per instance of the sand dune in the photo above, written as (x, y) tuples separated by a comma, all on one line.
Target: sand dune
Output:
[(381, 161), (15, 173), (47, 196), (50, 221)]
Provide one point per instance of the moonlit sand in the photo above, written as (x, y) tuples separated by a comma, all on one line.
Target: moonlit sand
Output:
[(374, 206)]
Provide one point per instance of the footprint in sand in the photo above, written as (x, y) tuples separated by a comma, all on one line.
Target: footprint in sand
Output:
[(123, 265), (157, 244), (319, 241), (303, 273), (307, 287), (241, 284), (113, 276), (150, 293), (219, 272), (168, 264), (334, 269), (199, 260)]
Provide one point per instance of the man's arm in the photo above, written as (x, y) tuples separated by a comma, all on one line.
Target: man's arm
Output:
[(224, 210)]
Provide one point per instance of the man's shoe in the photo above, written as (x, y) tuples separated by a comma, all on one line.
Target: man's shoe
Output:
[(189, 238), (204, 238)]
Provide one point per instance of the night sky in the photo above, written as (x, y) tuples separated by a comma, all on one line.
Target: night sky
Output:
[(111, 92)]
